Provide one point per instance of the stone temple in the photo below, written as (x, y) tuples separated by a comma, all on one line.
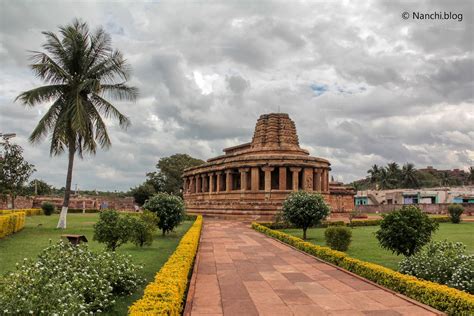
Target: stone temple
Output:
[(251, 181)]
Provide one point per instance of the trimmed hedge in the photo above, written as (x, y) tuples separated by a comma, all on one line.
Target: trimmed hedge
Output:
[(11, 223), (27, 211), (355, 223), (166, 294), (441, 297)]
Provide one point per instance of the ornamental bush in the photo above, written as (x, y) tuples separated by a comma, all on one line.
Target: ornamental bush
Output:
[(169, 209), (68, 280), (143, 228), (304, 210), (406, 230), (442, 262), (455, 211), (48, 208), (112, 229), (338, 237)]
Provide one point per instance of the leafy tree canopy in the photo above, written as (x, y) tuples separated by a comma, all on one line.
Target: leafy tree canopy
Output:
[(14, 170)]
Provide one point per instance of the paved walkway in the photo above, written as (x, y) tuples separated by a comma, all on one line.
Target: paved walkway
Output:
[(243, 272)]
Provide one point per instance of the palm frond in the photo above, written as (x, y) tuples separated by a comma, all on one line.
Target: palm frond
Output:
[(120, 91), (47, 69), (41, 94), (47, 122), (108, 110)]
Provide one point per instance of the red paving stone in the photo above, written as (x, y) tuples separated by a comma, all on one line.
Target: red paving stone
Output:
[(242, 272)]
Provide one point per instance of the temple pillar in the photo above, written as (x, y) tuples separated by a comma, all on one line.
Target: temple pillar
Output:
[(198, 184), (254, 183), (204, 182), (243, 178), (219, 183), (187, 188), (282, 177), (308, 179), (228, 180), (295, 174), (325, 180), (317, 180), (268, 178), (211, 182)]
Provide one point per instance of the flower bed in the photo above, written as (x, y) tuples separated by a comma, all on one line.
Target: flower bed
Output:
[(166, 294), (11, 223), (441, 297)]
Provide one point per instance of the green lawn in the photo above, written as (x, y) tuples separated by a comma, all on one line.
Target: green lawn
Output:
[(40, 230), (365, 246)]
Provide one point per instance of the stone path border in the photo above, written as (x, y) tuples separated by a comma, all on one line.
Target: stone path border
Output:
[(239, 271)]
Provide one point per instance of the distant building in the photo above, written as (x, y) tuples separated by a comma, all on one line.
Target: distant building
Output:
[(438, 195)]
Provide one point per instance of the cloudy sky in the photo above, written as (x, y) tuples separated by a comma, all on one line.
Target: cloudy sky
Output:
[(362, 84)]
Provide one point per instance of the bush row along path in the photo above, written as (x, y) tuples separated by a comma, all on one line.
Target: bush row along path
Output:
[(242, 272)]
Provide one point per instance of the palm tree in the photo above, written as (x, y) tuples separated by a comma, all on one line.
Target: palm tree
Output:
[(445, 179), (80, 69), (374, 173), (409, 176)]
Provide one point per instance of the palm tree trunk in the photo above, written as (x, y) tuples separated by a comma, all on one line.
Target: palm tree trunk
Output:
[(67, 192)]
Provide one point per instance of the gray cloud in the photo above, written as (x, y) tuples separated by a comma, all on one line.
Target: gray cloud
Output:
[(394, 89)]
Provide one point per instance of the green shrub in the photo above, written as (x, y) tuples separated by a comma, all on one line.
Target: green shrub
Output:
[(338, 238), (112, 229), (455, 211), (304, 210), (406, 230), (169, 209), (143, 228), (68, 280), (442, 262), (48, 208)]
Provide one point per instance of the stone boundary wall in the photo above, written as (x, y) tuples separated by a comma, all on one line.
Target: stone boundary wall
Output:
[(21, 202), (90, 202), (440, 208)]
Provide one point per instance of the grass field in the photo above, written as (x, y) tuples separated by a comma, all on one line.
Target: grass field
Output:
[(365, 246), (40, 231)]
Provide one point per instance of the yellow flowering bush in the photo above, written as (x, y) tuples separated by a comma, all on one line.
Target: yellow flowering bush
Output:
[(27, 211), (441, 297), (11, 223), (165, 295)]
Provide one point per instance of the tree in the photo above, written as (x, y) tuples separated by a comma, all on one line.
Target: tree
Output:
[(112, 229), (14, 170), (143, 228), (455, 211), (172, 168), (169, 209), (406, 230), (374, 173), (409, 176), (156, 179), (304, 210), (142, 193), (81, 69), (39, 187), (385, 179), (470, 178), (445, 179)]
